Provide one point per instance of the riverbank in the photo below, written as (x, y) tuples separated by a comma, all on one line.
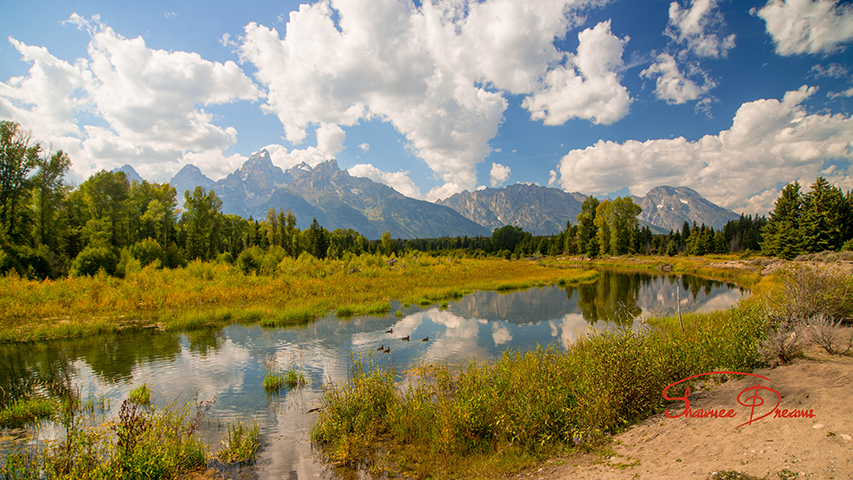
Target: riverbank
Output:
[(214, 294), (771, 448), (489, 420)]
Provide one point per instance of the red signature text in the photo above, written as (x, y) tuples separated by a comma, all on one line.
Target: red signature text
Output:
[(749, 397)]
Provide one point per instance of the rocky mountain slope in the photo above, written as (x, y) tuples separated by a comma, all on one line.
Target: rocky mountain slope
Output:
[(333, 197), (670, 207), (545, 210), (338, 200), (538, 210)]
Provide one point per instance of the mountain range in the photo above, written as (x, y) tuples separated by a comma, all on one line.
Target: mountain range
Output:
[(338, 200)]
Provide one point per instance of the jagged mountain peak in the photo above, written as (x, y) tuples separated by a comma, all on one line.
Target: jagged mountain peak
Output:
[(129, 172), (538, 210), (669, 207)]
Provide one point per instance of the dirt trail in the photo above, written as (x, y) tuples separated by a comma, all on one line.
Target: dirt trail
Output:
[(692, 448)]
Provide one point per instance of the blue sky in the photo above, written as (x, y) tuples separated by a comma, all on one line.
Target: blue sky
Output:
[(732, 98)]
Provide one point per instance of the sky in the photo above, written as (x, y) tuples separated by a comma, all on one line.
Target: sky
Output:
[(733, 98)]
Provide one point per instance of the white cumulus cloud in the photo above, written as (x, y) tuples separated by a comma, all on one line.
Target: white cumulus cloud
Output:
[(588, 86), (695, 32), (498, 174), (695, 26), (672, 85), (438, 72), (149, 103), (770, 142), (399, 181), (808, 26)]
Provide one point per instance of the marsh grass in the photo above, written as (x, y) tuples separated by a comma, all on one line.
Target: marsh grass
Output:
[(277, 378), (27, 411), (525, 406), (141, 443), (206, 294), (241, 444), (140, 395)]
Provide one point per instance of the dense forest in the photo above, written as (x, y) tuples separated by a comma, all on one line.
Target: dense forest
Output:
[(49, 229)]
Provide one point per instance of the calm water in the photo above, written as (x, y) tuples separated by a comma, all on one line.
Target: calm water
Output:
[(228, 364)]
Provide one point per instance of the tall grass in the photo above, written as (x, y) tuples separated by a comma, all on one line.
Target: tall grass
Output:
[(241, 443), (141, 443), (525, 405), (211, 293)]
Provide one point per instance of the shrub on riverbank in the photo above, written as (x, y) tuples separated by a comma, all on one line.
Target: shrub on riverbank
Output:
[(526, 405)]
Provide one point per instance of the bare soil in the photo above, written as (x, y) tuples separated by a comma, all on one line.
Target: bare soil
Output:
[(771, 447)]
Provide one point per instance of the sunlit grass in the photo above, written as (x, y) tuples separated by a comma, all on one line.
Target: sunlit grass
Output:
[(27, 410), (241, 443), (205, 294), (462, 420), (140, 395)]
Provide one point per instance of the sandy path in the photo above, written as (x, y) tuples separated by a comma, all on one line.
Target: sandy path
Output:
[(692, 448)]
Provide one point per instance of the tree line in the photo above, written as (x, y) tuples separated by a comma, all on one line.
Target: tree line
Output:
[(50, 229)]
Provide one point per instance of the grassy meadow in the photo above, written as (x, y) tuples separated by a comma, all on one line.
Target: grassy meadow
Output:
[(219, 293)]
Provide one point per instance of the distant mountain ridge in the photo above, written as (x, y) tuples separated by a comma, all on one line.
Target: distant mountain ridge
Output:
[(338, 200), (538, 210), (545, 210), (332, 196), (670, 207)]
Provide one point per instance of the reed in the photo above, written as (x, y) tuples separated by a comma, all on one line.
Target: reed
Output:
[(141, 443), (140, 395), (241, 444)]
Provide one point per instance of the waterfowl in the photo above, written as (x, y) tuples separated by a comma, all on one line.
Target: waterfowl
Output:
[(406, 338), (390, 330), (380, 348), (426, 339), (387, 350)]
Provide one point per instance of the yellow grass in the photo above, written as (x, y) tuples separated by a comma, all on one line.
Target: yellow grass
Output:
[(215, 293)]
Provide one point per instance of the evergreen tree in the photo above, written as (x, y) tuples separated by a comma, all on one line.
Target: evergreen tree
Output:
[(587, 231), (317, 242), (671, 249), (823, 217), (781, 233)]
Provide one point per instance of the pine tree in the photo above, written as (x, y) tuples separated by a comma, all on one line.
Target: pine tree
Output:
[(781, 233), (823, 217)]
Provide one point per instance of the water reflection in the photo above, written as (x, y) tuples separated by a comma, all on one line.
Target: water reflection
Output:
[(229, 364)]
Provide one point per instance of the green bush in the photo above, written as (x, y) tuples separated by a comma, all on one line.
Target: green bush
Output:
[(249, 260), (148, 251), (173, 257), (92, 259), (226, 257)]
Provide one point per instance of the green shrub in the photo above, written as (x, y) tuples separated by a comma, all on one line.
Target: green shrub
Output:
[(173, 257), (249, 260), (140, 394), (148, 251), (93, 259), (225, 257)]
